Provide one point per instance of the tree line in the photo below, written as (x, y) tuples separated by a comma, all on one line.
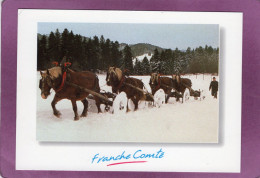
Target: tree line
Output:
[(97, 54), (199, 60), (84, 53)]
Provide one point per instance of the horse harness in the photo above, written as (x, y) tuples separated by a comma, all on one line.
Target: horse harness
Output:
[(159, 83), (121, 83), (65, 76)]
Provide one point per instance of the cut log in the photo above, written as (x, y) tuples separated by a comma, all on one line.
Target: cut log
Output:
[(172, 89), (149, 97), (105, 99)]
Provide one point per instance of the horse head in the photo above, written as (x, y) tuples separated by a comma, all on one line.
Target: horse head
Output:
[(114, 75), (176, 78), (154, 78), (48, 80)]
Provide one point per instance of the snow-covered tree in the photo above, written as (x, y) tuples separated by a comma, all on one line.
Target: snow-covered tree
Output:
[(145, 66)]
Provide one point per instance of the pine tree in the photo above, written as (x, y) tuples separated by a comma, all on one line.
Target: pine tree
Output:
[(52, 46), (155, 62), (57, 46), (178, 61), (42, 54), (163, 63), (169, 62), (71, 47), (77, 53), (145, 66), (127, 59), (107, 54), (95, 54), (65, 43), (115, 54), (91, 55), (138, 68)]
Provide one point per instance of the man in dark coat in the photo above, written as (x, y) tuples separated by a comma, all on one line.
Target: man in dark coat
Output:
[(214, 87)]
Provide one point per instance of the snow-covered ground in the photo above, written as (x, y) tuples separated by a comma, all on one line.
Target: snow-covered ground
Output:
[(191, 122)]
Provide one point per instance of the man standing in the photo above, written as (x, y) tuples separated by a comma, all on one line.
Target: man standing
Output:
[(214, 87)]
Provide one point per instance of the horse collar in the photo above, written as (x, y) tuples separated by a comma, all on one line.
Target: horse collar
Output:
[(64, 76)]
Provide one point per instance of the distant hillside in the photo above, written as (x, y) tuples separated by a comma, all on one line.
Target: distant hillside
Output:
[(143, 48), (140, 48), (122, 46)]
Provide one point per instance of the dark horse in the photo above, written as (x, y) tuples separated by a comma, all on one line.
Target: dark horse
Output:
[(180, 84), (158, 82), (54, 79), (117, 80)]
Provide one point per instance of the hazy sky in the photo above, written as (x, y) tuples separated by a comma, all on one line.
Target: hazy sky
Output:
[(162, 35)]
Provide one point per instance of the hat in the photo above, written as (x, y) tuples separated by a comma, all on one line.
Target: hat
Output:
[(214, 77)]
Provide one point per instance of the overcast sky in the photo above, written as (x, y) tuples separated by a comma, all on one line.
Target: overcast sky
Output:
[(162, 35)]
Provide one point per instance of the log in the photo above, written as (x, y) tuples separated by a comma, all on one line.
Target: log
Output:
[(172, 89), (188, 87), (105, 99), (148, 95)]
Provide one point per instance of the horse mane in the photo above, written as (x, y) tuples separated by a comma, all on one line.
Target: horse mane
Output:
[(117, 71), (55, 72)]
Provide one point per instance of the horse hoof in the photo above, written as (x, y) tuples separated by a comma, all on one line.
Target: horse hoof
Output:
[(83, 115), (76, 118), (57, 114)]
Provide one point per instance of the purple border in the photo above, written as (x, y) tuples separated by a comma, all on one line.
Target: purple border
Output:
[(250, 163)]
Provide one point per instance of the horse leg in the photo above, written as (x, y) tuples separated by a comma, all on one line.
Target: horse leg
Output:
[(85, 110), (75, 109), (135, 101), (98, 103), (167, 98), (136, 104), (127, 108), (53, 104)]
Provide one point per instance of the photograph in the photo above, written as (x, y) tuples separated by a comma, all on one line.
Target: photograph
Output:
[(127, 82)]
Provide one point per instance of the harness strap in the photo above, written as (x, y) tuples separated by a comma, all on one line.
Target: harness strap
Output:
[(159, 83), (64, 75), (66, 64), (121, 83), (55, 63)]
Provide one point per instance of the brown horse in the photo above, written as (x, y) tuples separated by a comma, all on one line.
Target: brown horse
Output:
[(180, 84), (158, 82), (117, 80), (54, 79)]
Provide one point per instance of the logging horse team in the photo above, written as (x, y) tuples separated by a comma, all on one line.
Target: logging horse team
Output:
[(60, 79)]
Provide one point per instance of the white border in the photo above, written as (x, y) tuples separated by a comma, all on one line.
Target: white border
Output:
[(222, 157)]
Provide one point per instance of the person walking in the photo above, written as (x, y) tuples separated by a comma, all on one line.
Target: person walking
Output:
[(214, 87)]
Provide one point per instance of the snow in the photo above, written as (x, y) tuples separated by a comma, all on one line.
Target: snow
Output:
[(140, 58), (195, 121)]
